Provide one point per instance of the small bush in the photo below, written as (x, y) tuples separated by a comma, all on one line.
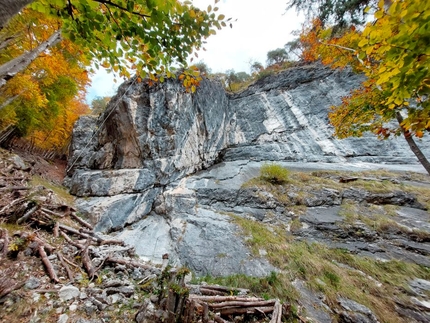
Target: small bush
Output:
[(274, 173)]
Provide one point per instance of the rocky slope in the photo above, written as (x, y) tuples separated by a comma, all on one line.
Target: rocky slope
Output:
[(169, 172)]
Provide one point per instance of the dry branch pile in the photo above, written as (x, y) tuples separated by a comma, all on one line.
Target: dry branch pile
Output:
[(41, 233)]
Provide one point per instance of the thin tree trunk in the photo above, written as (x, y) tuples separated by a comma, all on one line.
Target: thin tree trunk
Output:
[(18, 64), (415, 149), (9, 8)]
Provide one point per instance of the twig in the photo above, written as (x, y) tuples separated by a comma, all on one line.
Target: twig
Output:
[(52, 212), (69, 272), (11, 289), (73, 243)]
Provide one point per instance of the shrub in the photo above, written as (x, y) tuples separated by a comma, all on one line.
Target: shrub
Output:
[(274, 173)]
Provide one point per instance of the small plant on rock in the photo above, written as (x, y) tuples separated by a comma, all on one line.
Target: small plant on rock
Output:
[(274, 173)]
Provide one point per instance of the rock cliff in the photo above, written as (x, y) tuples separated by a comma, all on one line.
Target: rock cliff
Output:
[(131, 166)]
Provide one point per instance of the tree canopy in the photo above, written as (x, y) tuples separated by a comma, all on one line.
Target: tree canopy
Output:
[(393, 52)]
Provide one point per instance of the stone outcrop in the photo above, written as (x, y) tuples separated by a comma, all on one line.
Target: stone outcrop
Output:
[(130, 166)]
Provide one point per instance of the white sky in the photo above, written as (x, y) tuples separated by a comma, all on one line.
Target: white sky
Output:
[(261, 26)]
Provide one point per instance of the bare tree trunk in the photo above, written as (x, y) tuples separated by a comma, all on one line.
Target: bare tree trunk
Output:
[(415, 149), (18, 64), (9, 8)]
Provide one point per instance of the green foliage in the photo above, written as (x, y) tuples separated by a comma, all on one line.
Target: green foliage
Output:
[(98, 105), (277, 56), (203, 68), (274, 173), (339, 12), (145, 36)]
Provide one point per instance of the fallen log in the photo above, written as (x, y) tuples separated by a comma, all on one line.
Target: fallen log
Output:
[(14, 188), (88, 264), (5, 237), (232, 304), (66, 267), (277, 313), (73, 243), (47, 264), (246, 310), (126, 262), (225, 298), (43, 209), (81, 221), (27, 214)]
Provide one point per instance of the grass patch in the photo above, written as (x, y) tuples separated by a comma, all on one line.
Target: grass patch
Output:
[(334, 272), (59, 190), (274, 173)]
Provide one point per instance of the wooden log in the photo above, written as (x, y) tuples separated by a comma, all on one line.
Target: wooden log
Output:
[(27, 214), (226, 289), (81, 221), (46, 245), (6, 240), (66, 267), (225, 298), (219, 319), (48, 264), (73, 243), (14, 202), (56, 230), (277, 313), (43, 209), (246, 310), (126, 262), (74, 231), (231, 304), (71, 263), (10, 289), (170, 306), (212, 292), (88, 264), (14, 188), (205, 316)]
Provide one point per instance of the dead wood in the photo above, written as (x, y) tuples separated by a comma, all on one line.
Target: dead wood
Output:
[(241, 304), (73, 243), (205, 316), (126, 262), (43, 209), (74, 231), (246, 310), (27, 215), (14, 188), (226, 289), (225, 298), (170, 307), (47, 264), (277, 313), (219, 319), (7, 290), (14, 202), (43, 243), (56, 230), (5, 237), (66, 267), (88, 264), (81, 221)]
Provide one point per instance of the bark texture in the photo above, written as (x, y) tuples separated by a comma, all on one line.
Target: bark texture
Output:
[(9, 8), (18, 64)]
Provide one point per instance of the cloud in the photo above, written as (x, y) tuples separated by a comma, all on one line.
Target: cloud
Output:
[(261, 26), (258, 27)]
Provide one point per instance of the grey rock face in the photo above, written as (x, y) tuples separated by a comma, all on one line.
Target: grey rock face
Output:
[(132, 166)]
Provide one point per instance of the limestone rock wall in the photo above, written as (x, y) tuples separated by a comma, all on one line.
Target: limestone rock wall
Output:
[(129, 165)]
